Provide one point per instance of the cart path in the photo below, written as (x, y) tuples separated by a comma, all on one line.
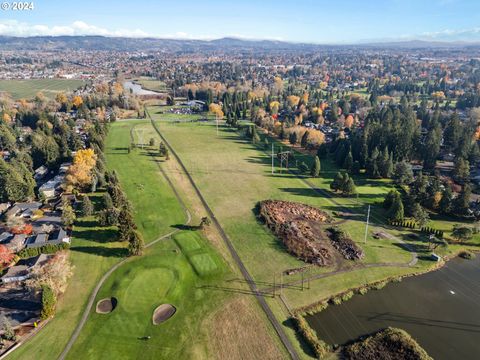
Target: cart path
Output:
[(95, 291)]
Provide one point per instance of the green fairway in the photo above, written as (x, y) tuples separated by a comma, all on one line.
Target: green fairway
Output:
[(161, 276), (93, 251), (155, 206), (27, 89)]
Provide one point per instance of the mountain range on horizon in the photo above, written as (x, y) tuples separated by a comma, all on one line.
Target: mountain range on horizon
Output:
[(98, 42)]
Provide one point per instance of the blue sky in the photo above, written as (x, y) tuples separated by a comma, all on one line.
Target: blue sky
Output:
[(321, 21)]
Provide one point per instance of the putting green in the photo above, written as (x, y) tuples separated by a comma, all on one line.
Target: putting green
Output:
[(188, 241), (203, 264), (145, 287)]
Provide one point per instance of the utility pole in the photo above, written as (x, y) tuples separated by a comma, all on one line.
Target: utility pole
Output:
[(366, 226), (273, 154), (281, 284), (273, 284)]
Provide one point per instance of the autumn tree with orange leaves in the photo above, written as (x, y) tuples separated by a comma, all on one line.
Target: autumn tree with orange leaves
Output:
[(6, 256)]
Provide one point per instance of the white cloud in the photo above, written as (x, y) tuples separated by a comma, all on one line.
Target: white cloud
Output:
[(16, 28)]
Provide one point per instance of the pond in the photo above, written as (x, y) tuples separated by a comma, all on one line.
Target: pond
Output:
[(137, 89), (440, 309)]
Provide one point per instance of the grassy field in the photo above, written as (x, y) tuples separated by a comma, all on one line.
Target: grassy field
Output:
[(184, 270), (94, 250), (152, 84), (234, 175), (27, 89)]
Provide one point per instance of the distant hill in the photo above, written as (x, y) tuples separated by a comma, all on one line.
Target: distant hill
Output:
[(175, 45)]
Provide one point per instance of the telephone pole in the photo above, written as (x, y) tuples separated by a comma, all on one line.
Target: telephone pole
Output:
[(273, 154), (366, 225)]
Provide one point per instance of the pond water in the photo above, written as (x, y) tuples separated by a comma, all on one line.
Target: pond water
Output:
[(137, 89), (440, 309)]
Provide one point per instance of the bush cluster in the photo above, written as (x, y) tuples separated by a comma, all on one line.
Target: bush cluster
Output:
[(49, 301), (45, 249)]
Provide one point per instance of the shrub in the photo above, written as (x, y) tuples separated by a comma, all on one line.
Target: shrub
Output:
[(379, 285), (49, 301), (8, 332), (389, 343), (363, 290), (337, 300), (45, 249), (347, 296)]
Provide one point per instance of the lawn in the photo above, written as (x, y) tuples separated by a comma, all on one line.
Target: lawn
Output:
[(27, 89), (93, 251)]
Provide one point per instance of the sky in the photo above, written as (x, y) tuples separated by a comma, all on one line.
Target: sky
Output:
[(321, 21)]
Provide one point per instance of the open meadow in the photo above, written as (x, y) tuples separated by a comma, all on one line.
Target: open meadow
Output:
[(27, 89)]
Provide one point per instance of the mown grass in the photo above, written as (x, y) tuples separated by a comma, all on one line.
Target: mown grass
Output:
[(27, 89)]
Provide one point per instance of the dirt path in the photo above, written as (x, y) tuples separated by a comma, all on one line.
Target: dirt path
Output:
[(95, 291), (253, 287)]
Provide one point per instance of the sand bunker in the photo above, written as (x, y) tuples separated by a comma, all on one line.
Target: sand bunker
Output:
[(106, 306), (162, 313)]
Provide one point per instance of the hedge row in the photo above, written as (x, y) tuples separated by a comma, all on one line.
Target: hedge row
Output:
[(49, 301), (432, 231), (45, 249), (318, 346)]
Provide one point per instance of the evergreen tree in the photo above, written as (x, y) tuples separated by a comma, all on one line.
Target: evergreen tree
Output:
[(135, 243), (87, 206), (420, 215), (461, 203), (292, 138), (396, 211), (349, 187), (402, 173), (304, 141), (107, 201), (68, 214), (445, 205), (348, 163), (315, 171)]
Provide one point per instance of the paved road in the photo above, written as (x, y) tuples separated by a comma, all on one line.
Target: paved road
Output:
[(95, 291), (253, 287)]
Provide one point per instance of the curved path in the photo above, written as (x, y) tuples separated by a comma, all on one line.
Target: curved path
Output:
[(95, 291), (253, 287)]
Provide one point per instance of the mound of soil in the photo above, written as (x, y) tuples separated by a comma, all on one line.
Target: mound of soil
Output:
[(346, 246), (299, 227), (162, 313), (106, 306)]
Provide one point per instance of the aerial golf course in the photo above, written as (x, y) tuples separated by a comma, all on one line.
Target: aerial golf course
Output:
[(191, 269)]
